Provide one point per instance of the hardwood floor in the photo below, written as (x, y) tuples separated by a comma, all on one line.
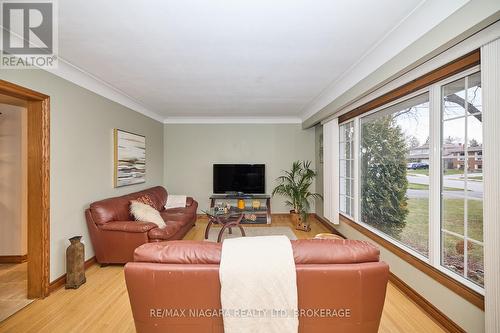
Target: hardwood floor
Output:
[(13, 288), (102, 305)]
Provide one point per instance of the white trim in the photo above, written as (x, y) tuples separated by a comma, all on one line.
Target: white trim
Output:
[(330, 171), (470, 44), (357, 182), (80, 77), (458, 76), (490, 82), (232, 120), (352, 196), (335, 171), (460, 279), (435, 175)]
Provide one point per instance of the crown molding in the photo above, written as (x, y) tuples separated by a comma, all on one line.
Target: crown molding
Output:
[(232, 120), (84, 79), (425, 29)]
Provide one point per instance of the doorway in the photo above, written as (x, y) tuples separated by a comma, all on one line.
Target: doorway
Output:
[(13, 206), (37, 107)]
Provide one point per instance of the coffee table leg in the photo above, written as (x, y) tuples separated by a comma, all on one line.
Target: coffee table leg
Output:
[(242, 230), (210, 222), (221, 233)]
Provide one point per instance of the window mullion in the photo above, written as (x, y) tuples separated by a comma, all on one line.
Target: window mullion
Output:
[(356, 170), (466, 172), (435, 175)]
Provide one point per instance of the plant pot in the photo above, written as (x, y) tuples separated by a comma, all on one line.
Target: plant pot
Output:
[(303, 226), (295, 217), (299, 224)]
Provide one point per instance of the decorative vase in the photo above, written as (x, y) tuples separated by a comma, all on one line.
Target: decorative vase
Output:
[(256, 204), (75, 263), (241, 204), (297, 220)]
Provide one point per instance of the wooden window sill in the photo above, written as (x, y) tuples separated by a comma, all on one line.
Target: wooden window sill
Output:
[(467, 293)]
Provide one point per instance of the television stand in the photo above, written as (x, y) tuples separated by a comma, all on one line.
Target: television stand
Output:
[(262, 214)]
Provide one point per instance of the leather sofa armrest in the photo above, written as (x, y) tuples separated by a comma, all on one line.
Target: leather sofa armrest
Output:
[(128, 226), (189, 201)]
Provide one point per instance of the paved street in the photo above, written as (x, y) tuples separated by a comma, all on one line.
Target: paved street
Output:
[(475, 188)]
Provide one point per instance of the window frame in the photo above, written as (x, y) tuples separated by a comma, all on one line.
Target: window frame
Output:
[(352, 178), (435, 181)]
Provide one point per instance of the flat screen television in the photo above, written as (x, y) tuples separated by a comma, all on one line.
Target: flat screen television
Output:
[(242, 178)]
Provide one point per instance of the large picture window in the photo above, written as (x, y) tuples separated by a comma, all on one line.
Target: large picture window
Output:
[(426, 146), (395, 172)]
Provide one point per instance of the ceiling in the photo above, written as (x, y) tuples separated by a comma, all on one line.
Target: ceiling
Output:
[(219, 59)]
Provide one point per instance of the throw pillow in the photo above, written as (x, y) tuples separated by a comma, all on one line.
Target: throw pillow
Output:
[(176, 201), (146, 199), (143, 212)]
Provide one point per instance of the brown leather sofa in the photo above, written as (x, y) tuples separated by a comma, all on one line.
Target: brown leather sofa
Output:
[(115, 235), (341, 275)]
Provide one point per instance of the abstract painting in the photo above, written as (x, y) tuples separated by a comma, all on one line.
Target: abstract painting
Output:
[(130, 158)]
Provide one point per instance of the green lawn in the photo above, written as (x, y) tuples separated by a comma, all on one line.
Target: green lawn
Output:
[(453, 217), (453, 172), (416, 229), (415, 234), (415, 186), (418, 172)]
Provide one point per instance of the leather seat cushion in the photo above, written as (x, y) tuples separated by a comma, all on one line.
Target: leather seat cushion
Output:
[(179, 252), (170, 229), (307, 251), (190, 210), (169, 216)]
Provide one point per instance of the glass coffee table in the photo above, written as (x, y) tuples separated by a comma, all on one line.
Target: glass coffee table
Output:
[(227, 219)]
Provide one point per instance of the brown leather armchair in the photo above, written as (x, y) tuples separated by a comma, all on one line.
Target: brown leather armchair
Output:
[(115, 235), (184, 275)]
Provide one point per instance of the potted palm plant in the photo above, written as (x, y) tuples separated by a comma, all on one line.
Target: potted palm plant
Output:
[(294, 185)]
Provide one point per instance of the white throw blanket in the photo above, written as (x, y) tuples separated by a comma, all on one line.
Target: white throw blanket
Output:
[(258, 285), (176, 201)]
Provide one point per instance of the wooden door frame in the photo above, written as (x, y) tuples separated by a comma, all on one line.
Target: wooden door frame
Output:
[(38, 106)]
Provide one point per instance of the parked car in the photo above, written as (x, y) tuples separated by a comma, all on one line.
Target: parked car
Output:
[(411, 166), (423, 166), (415, 166)]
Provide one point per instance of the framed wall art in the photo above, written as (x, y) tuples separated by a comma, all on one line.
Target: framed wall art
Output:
[(129, 158)]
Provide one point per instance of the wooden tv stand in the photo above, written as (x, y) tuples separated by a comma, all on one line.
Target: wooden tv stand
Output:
[(263, 214)]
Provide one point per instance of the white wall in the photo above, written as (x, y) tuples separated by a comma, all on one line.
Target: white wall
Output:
[(465, 314), (81, 154), (13, 176), (190, 151)]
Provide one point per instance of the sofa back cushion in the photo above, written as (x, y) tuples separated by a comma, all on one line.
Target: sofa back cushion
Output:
[(118, 208), (307, 251)]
